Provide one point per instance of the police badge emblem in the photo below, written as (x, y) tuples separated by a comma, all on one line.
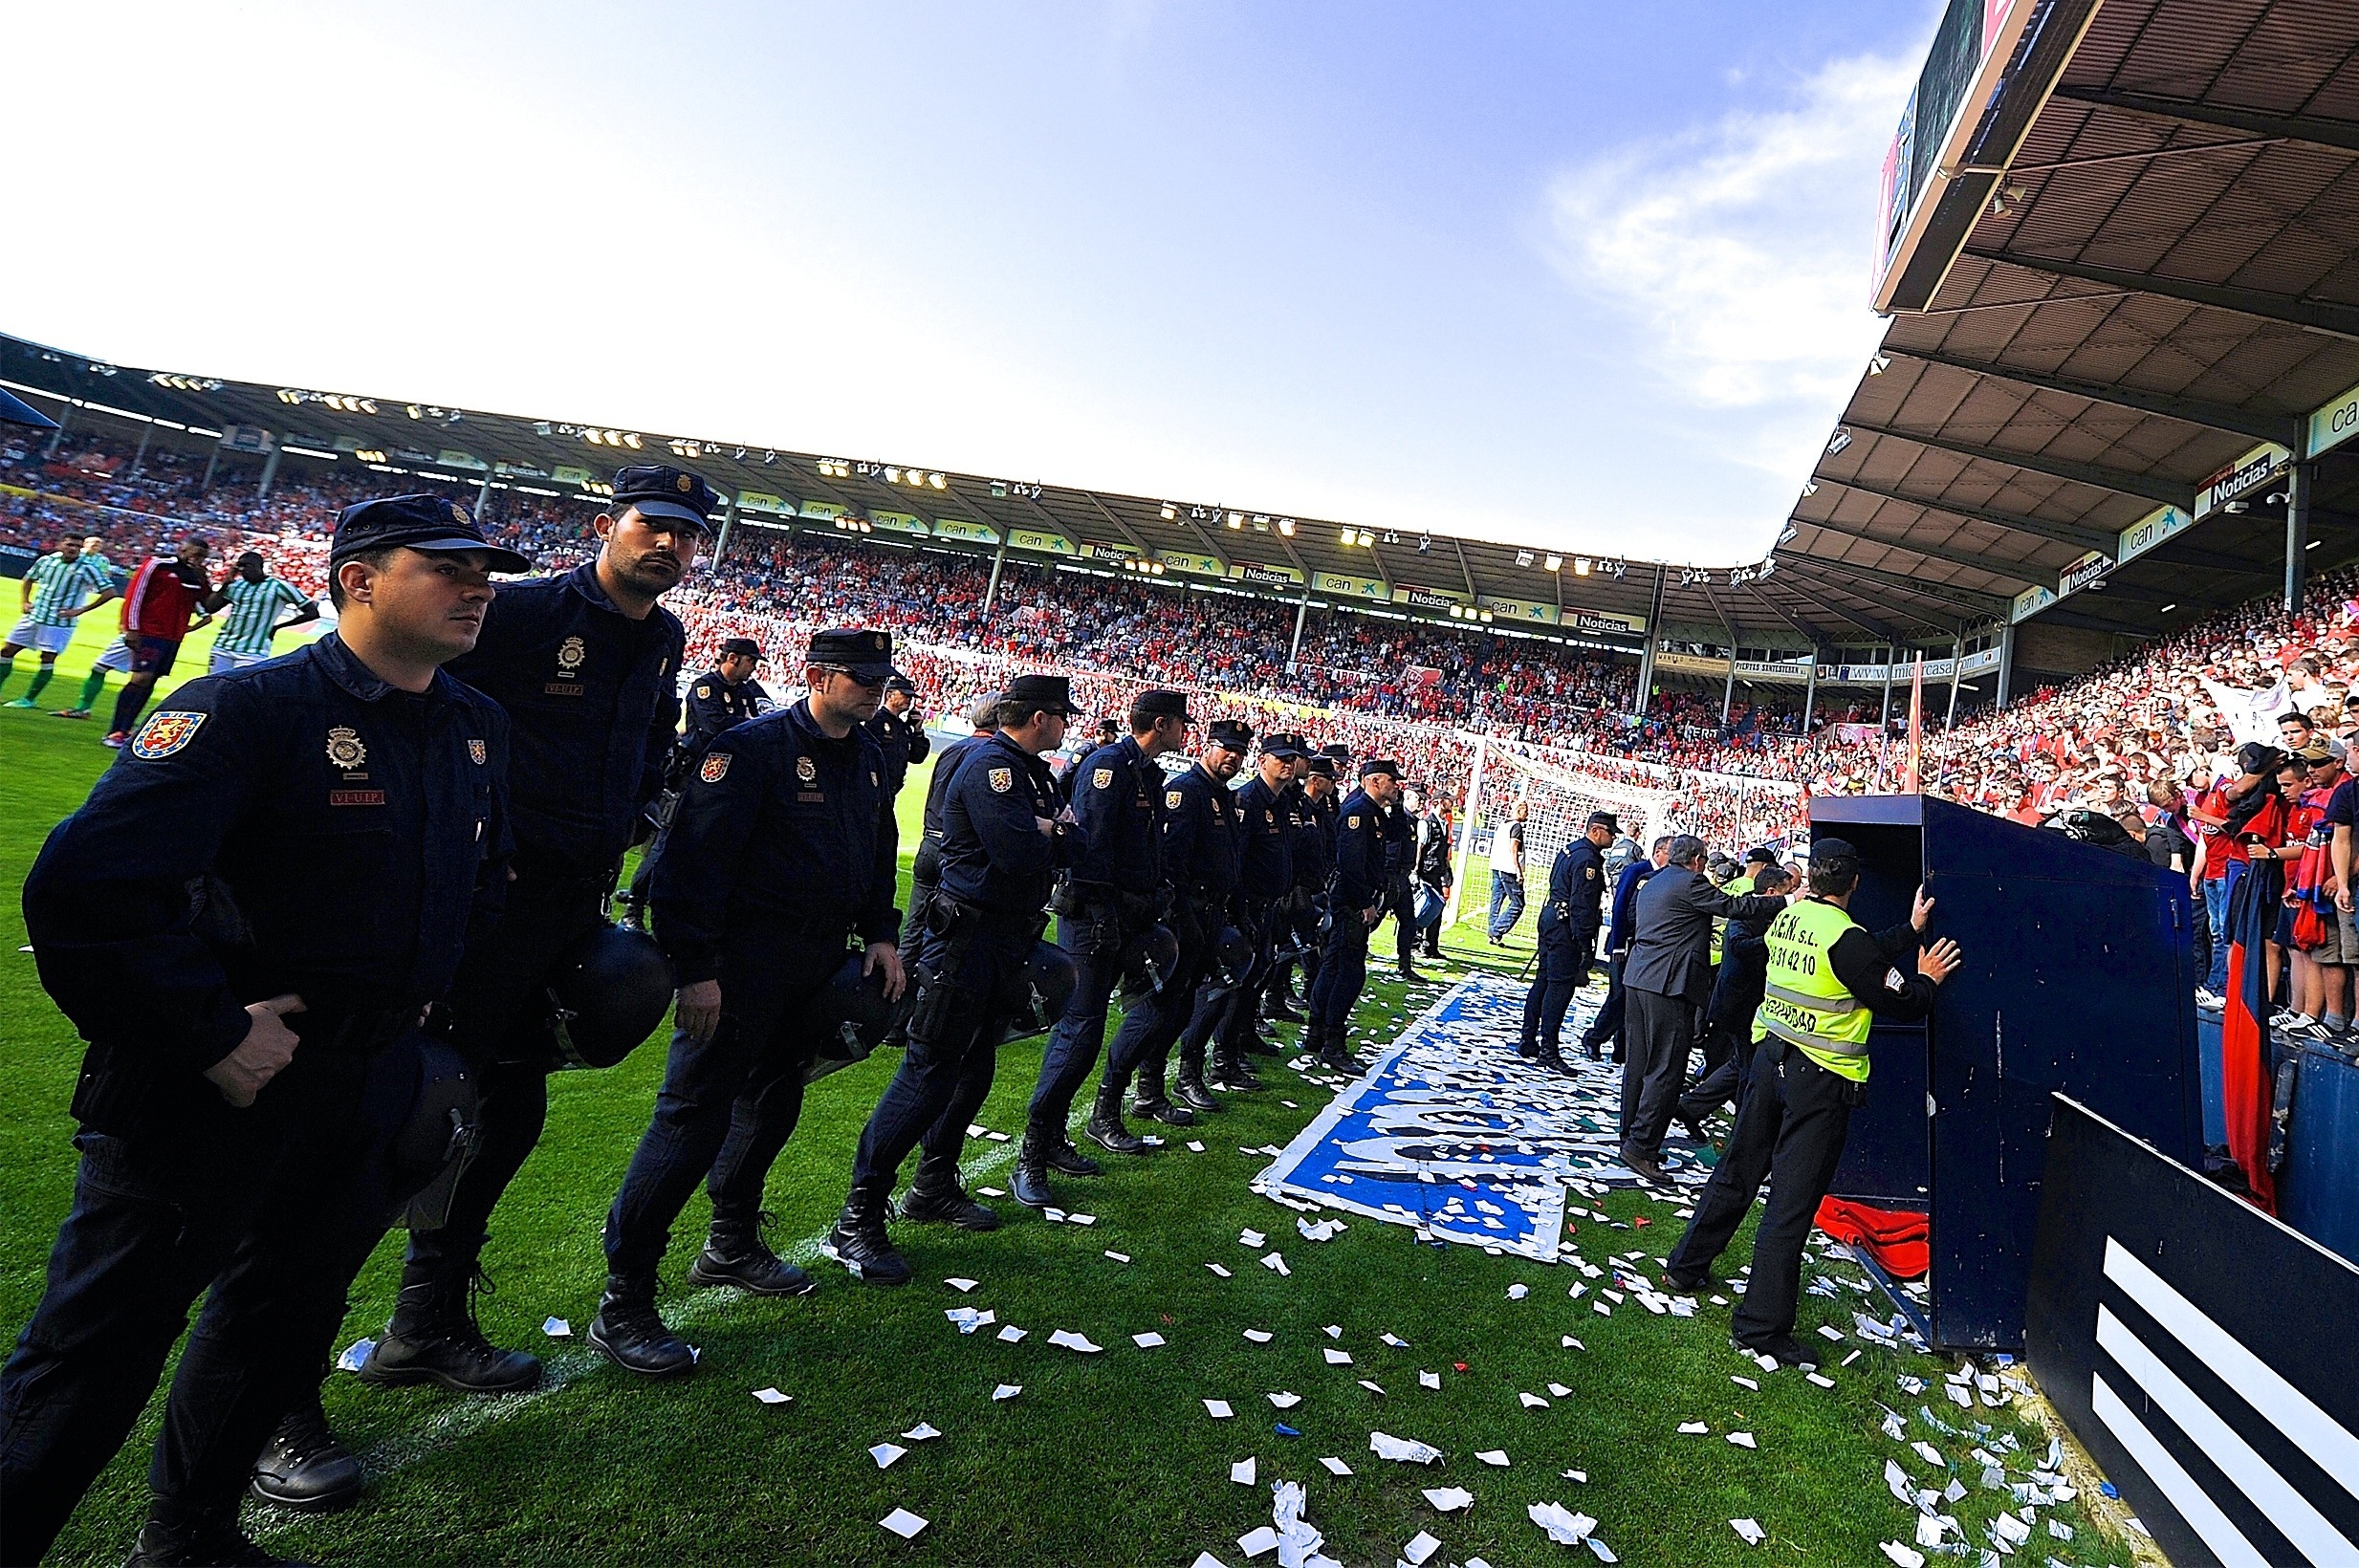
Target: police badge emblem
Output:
[(478, 753), (704, 688), (806, 770), (344, 748), (1173, 798), (166, 733), (458, 516), (1002, 780), (1352, 822), (716, 768), (685, 484), (570, 654), (1100, 778)]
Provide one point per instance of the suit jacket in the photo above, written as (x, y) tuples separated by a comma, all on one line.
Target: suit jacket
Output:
[(1670, 941)]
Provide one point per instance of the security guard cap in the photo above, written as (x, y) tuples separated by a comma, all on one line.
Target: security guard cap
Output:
[(415, 522), (658, 489), (1159, 704), (743, 645), (867, 654), (1051, 693), (1230, 734)]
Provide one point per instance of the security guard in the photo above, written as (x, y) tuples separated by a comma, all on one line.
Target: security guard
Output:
[(901, 737), (784, 846), (1199, 828), (1265, 876), (1568, 925), (1829, 978), (723, 696), (586, 665), (220, 1101), (1104, 904), (1355, 904), (1004, 836)]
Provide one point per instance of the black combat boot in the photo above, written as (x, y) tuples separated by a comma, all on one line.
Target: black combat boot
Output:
[(1332, 1056), (734, 1255), (631, 1335), (305, 1468), (1031, 1181), (215, 1541), (1105, 1122), (1256, 1045), (861, 1243), (1151, 1101), (1552, 1059), (433, 1336), (1278, 1008), (1230, 1073), (935, 1197), (1062, 1157), (1190, 1090)]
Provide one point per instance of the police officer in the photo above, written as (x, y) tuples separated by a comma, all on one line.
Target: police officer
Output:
[(903, 738), (221, 1103), (1215, 854), (1399, 826), (1199, 828), (586, 665), (1317, 848), (1568, 926), (1829, 978), (723, 696), (1297, 914), (1433, 870), (784, 846), (1355, 904), (1004, 836), (1265, 876), (1105, 905)]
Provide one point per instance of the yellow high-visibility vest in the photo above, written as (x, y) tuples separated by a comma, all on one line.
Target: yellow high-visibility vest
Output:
[(1803, 1004)]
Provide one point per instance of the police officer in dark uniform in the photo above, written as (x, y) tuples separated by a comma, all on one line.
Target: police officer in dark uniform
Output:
[(1297, 914), (222, 1102), (902, 738), (784, 846), (1355, 904), (1216, 852), (1004, 836), (723, 696), (1568, 926), (1314, 861), (1199, 827), (585, 664), (1400, 835), (1265, 876), (1104, 904)]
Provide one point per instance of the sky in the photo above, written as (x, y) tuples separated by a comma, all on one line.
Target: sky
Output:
[(1584, 277)]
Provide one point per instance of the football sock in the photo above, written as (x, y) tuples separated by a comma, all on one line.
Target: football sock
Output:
[(91, 687), (40, 679), (127, 708)]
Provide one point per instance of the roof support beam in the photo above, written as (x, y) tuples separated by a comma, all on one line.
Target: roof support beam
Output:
[(2011, 570), (2067, 533), (2282, 429), (1465, 571), (1775, 608), (1146, 552), (2336, 320), (1826, 579), (2322, 133), (2141, 487), (1964, 600)]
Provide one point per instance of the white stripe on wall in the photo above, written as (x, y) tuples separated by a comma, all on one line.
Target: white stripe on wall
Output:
[(2204, 1518)]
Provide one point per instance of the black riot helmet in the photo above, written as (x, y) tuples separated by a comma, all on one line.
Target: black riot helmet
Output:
[(606, 994), (853, 1013), (1039, 991), (1149, 959), (1232, 954), (437, 1137)]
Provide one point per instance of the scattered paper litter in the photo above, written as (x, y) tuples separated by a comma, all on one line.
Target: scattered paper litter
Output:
[(1259, 1336), (1250, 1238), (922, 1432), (1749, 1531), (1323, 1231), (1195, 1145), (1206, 1560), (1218, 1270), (1335, 1466), (1007, 1390), (1276, 1261), (1074, 1342), (1829, 1331), (1822, 1381), (1395, 1340), (1257, 1541), (1904, 1554), (556, 1328), (1564, 1527), (1743, 1440), (1495, 1458), (1449, 1499), (902, 1523), (1420, 1547), (771, 1395), (1408, 1450), (961, 1286), (1691, 1429), (1516, 1293), (1559, 1390), (1217, 1409), (1147, 1341), (1333, 1331), (1428, 1379), (1118, 1258), (1284, 1401), (1533, 1401), (1012, 1334), (1335, 1356), (1242, 1471), (1744, 1383), (356, 1355), (1581, 1476), (884, 1453), (1369, 1387)]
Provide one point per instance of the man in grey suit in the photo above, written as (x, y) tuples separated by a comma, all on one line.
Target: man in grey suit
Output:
[(1667, 979)]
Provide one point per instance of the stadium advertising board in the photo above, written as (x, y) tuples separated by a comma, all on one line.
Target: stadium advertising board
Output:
[(1041, 539), (252, 438), (1269, 576), (1963, 72), (451, 457), (2240, 478), (1765, 670), (1603, 621), (1098, 551), (1669, 663), (899, 522), (1351, 587), (2151, 530), (1428, 599), (776, 506), (571, 473), (2084, 571), (506, 470), (1518, 609), (1853, 674), (1195, 565), (958, 528), (2335, 423), (822, 512)]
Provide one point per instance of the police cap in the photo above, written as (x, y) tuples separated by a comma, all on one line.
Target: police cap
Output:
[(1160, 703), (1322, 767), (1381, 764), (901, 683), (1338, 751), (1831, 849), (1762, 856), (658, 489), (1604, 819), (1050, 694), (744, 646), (868, 655), (415, 522), (1229, 734), (1279, 744)]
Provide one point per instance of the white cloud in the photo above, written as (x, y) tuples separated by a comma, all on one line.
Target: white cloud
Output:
[(1717, 251)]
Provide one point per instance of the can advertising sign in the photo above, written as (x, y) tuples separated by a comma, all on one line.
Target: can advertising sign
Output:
[(822, 512), (1518, 609), (776, 506), (1351, 587), (958, 528), (899, 522), (1041, 539), (2247, 474), (2335, 423), (2151, 530), (1202, 566)]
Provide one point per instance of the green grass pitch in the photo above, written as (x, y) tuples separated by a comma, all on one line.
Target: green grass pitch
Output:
[(1101, 1459)]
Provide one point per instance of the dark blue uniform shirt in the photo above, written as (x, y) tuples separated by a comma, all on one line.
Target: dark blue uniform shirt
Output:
[(938, 789), (1306, 839), (904, 743), (1576, 882), (1201, 836), (1400, 835), (715, 705), (779, 824), (590, 697), (342, 835), (1358, 854), (1116, 799), (1266, 861), (993, 853)]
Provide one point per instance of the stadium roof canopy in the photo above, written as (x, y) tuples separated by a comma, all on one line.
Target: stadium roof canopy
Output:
[(2126, 332)]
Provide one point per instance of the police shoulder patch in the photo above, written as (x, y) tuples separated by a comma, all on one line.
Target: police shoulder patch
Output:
[(704, 688), (716, 768), (166, 733), (1100, 778), (1353, 820), (1174, 799), (1002, 780), (478, 753)]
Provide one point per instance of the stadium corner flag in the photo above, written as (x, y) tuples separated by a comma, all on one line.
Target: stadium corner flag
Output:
[(2246, 1083)]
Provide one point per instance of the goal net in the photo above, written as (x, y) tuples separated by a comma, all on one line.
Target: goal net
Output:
[(1557, 801)]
